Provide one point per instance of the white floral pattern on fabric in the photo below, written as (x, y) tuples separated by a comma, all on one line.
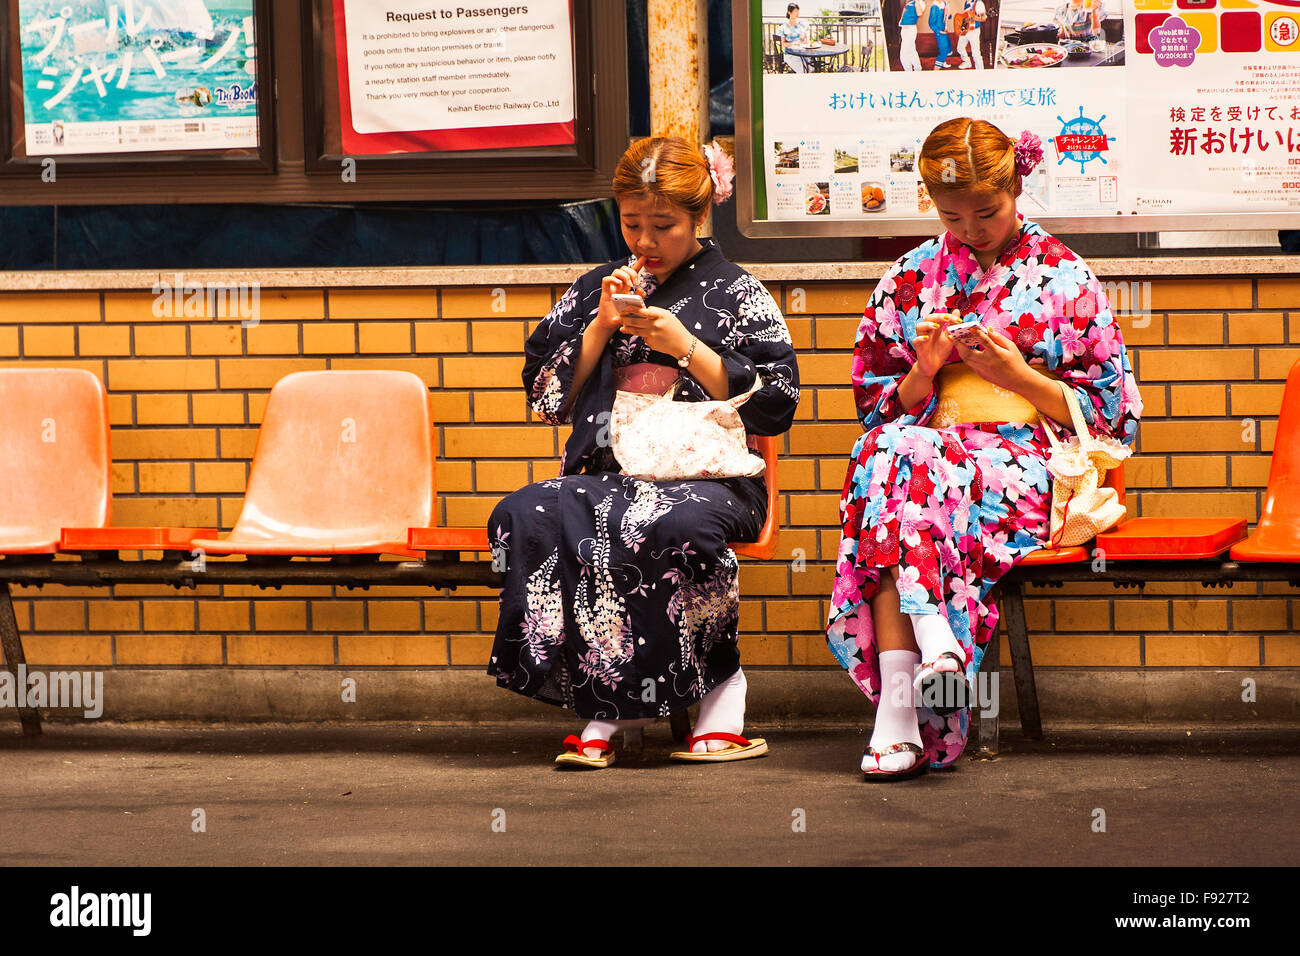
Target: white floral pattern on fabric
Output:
[(544, 620)]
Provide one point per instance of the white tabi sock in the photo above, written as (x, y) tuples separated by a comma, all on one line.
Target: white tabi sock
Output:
[(934, 637), (896, 713), (722, 711), (606, 729)]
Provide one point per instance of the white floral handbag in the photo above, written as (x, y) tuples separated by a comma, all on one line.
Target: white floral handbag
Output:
[(1081, 507), (657, 439)]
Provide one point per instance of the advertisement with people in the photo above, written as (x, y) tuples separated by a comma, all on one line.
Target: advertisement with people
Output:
[(1193, 103)]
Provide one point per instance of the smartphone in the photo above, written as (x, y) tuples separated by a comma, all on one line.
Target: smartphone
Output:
[(625, 303), (964, 332)]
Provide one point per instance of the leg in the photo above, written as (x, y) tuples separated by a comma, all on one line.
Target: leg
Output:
[(896, 721), (12, 643), (722, 710), (893, 629), (680, 723)]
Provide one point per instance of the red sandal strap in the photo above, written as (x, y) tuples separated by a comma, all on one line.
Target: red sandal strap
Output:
[(574, 744), (733, 738)]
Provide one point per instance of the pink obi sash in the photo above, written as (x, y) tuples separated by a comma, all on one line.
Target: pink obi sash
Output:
[(644, 378)]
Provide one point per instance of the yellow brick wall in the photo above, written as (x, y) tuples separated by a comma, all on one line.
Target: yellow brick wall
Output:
[(186, 396)]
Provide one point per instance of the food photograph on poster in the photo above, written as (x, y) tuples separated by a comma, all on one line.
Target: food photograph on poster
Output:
[(1044, 33)]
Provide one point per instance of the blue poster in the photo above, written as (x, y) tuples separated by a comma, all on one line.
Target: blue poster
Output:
[(114, 76)]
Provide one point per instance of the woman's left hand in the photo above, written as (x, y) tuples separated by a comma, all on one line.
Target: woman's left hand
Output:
[(660, 329), (997, 360)]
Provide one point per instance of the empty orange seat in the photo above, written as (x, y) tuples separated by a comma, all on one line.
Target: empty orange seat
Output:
[(1277, 536), (132, 539), (343, 465), (1167, 538), (54, 471)]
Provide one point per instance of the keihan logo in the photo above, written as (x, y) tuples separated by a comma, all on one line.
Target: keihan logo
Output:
[(103, 909)]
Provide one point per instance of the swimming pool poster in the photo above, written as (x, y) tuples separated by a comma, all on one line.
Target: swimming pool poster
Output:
[(131, 76), (1184, 108), (416, 76)]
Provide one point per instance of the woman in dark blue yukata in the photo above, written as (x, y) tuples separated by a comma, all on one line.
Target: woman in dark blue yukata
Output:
[(621, 598)]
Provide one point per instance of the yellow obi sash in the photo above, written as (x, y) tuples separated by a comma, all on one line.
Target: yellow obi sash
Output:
[(965, 397)]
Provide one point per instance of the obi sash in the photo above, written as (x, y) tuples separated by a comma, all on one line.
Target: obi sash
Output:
[(644, 378), (965, 397)]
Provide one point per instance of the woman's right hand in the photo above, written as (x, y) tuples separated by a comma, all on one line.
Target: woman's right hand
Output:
[(932, 344), (622, 281)]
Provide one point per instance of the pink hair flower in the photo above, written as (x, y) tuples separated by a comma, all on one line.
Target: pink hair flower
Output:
[(1029, 153), (723, 171)]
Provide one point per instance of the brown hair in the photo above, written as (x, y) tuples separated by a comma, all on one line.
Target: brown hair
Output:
[(669, 168), (964, 154)]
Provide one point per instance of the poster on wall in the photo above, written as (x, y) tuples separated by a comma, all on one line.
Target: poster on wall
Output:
[(133, 76), (424, 76), (1148, 108)]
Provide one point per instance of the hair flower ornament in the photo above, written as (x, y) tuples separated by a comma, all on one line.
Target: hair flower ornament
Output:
[(1029, 153), (723, 171)]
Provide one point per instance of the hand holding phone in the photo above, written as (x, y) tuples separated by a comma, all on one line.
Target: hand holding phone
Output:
[(627, 302), (964, 332)]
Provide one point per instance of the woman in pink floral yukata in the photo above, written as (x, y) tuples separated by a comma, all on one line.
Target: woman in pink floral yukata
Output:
[(938, 502)]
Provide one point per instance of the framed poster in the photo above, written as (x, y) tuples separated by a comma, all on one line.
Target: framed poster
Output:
[(415, 79), (1154, 114), (421, 83), (138, 81)]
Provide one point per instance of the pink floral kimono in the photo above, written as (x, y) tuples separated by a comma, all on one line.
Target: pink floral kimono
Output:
[(955, 508)]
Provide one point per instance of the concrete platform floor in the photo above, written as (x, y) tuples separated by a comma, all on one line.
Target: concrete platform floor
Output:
[(367, 794)]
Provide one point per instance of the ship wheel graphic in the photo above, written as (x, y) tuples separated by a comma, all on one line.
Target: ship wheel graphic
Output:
[(1083, 126)]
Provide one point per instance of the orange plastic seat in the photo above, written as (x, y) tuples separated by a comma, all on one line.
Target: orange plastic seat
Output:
[(1277, 536), (132, 539), (1070, 555), (448, 539), (54, 471), (765, 547), (343, 465), (1168, 538)]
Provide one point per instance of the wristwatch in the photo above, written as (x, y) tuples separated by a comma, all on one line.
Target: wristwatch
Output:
[(685, 360)]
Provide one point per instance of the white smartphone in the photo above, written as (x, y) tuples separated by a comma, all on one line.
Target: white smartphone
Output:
[(625, 303), (964, 332)]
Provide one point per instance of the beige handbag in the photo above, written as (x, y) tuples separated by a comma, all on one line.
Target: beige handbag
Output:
[(1081, 507), (657, 439)]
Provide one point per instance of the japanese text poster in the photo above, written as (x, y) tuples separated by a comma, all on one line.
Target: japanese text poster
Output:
[(1144, 107)]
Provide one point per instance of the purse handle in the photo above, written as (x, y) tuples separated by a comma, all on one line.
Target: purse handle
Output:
[(735, 401), (1081, 431)]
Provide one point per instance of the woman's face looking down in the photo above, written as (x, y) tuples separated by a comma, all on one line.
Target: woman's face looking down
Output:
[(662, 232), (985, 221)]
